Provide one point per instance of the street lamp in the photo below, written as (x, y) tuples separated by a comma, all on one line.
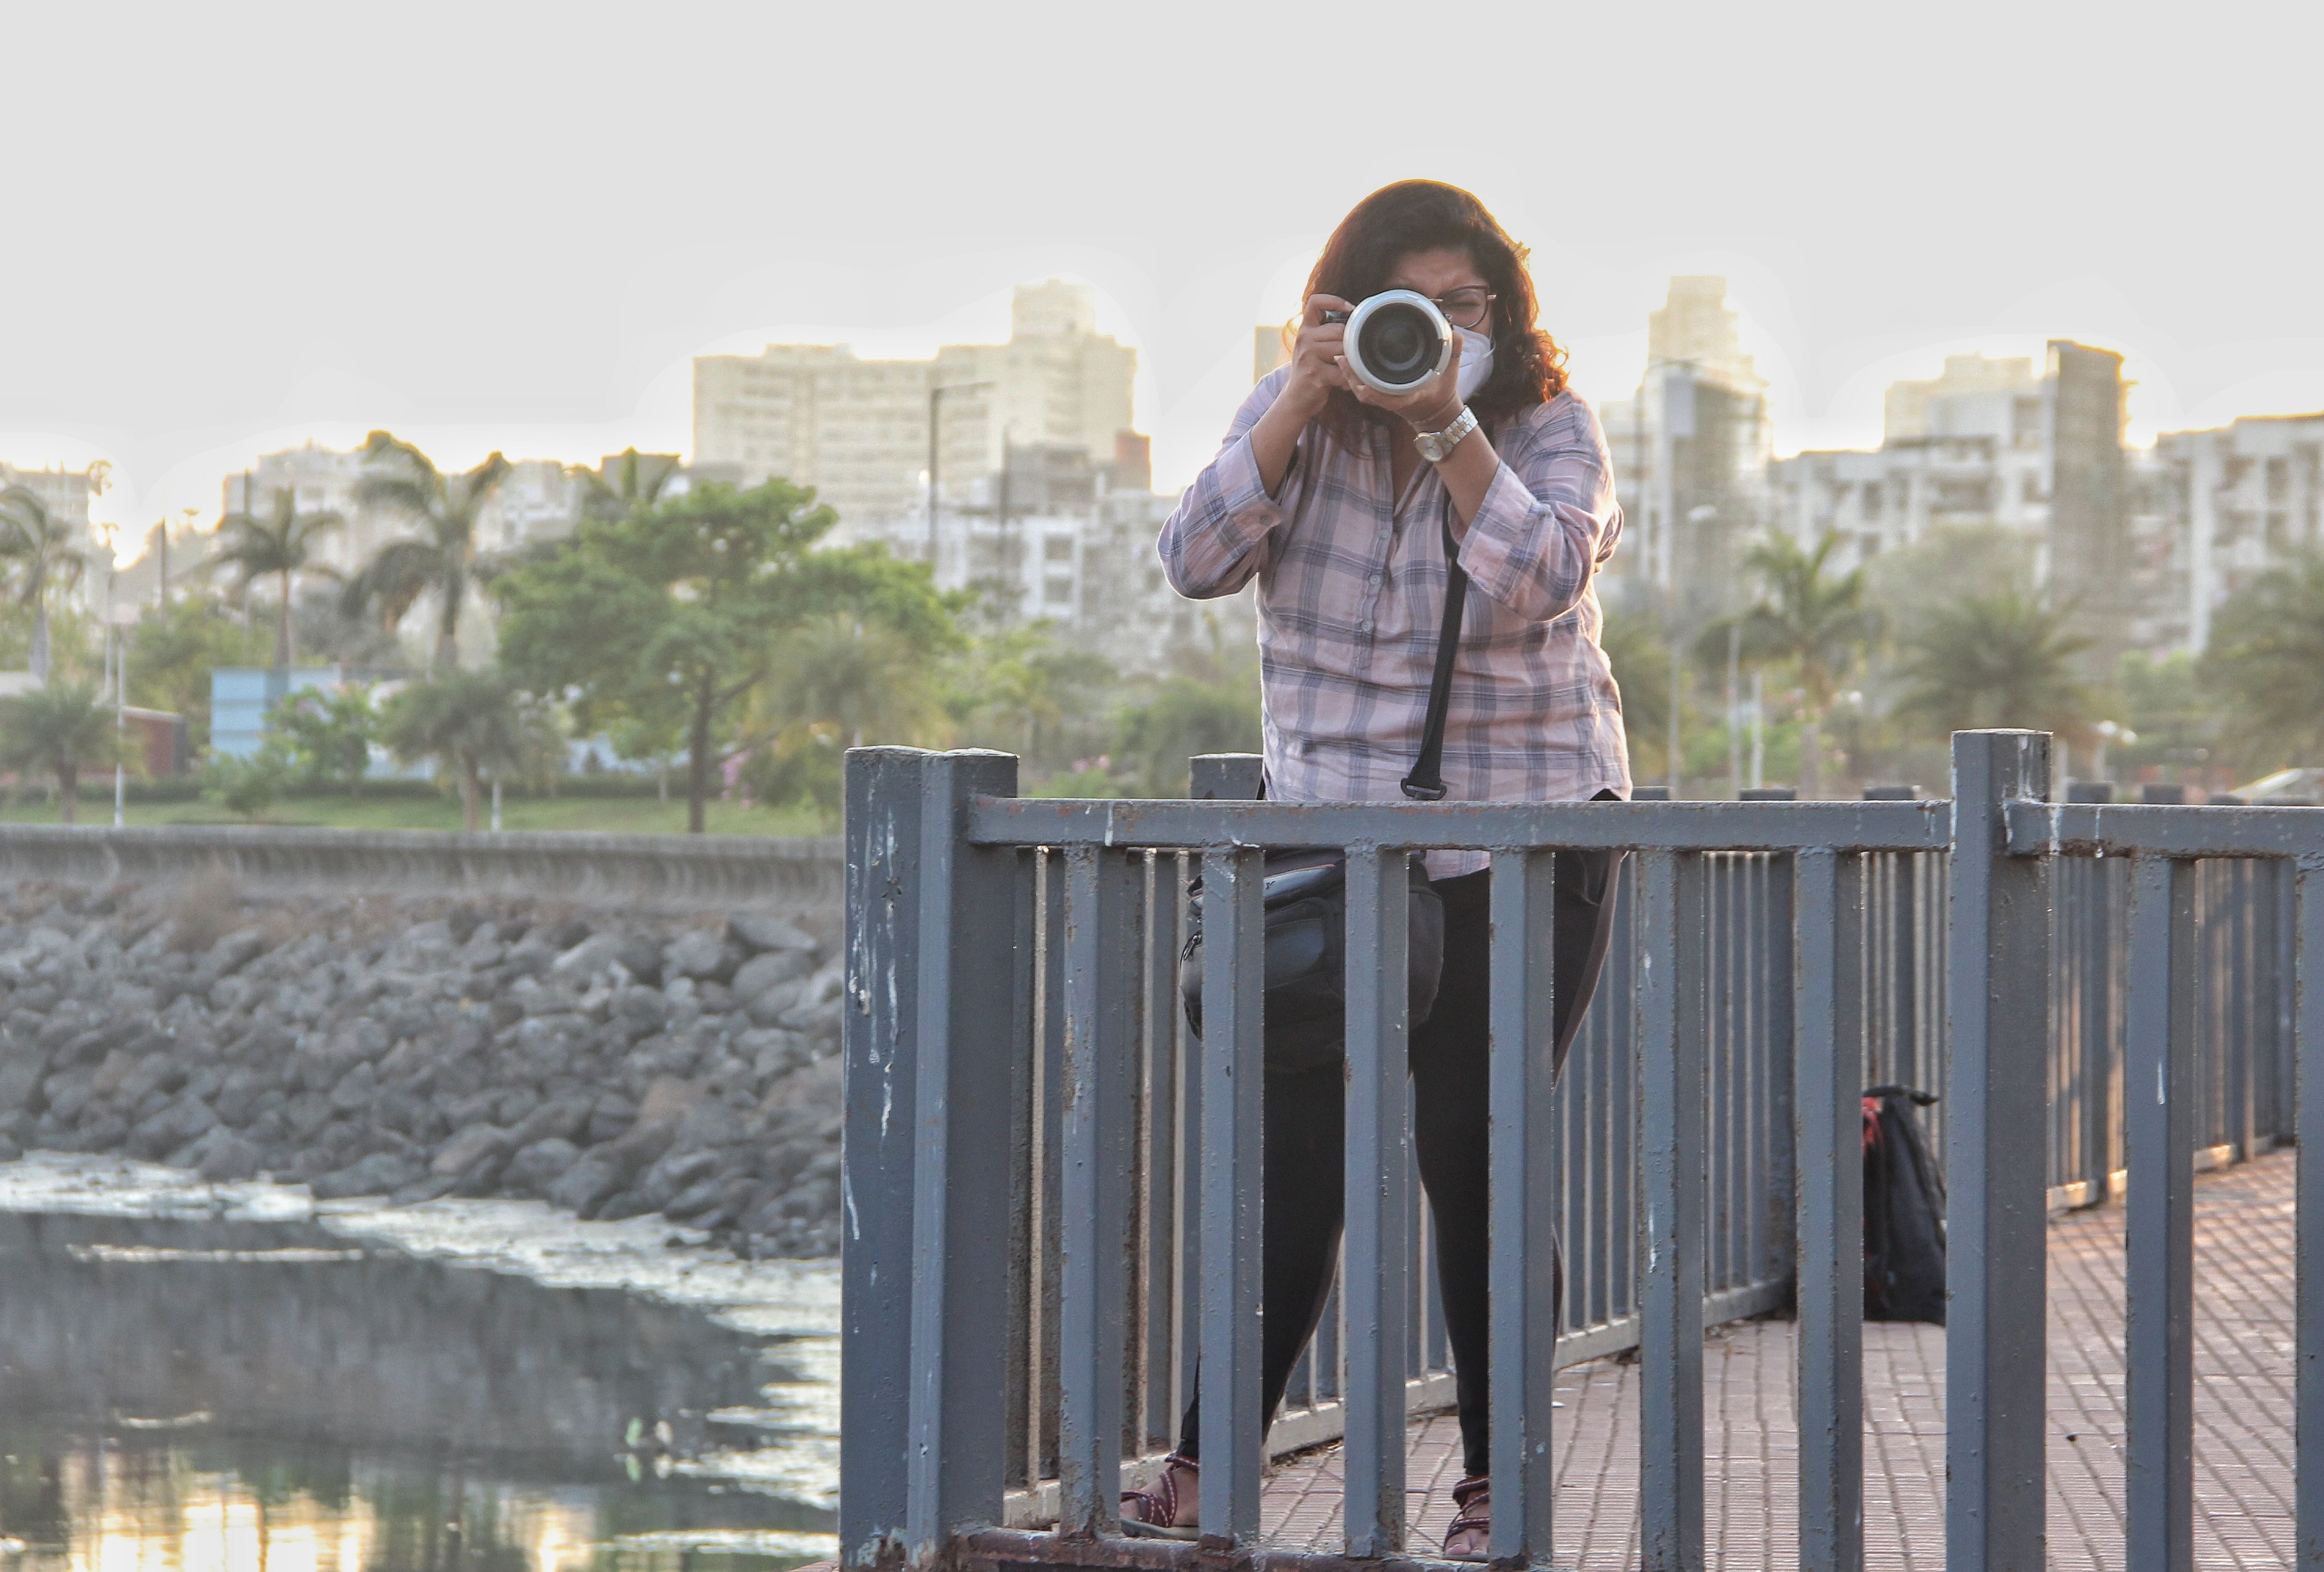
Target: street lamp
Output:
[(934, 394)]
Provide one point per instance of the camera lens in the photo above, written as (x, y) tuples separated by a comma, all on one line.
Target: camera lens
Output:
[(1398, 346), (1397, 340)]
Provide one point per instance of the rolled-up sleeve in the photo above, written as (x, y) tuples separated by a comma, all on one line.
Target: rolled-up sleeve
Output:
[(1210, 543), (1549, 519)]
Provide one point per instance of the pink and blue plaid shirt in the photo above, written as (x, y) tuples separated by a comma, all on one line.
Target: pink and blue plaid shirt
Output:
[(1352, 595)]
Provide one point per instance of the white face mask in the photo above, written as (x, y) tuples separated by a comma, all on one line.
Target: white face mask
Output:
[(1475, 361)]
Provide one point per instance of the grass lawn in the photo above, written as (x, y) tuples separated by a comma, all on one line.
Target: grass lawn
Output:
[(607, 815)]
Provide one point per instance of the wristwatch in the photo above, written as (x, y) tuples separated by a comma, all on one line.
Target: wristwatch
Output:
[(1437, 447)]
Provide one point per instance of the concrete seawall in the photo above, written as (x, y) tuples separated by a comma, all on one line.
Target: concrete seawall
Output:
[(721, 873)]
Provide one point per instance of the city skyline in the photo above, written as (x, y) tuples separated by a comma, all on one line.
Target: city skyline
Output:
[(1878, 198)]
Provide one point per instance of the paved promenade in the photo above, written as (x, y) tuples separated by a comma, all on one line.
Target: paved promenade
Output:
[(2243, 1416)]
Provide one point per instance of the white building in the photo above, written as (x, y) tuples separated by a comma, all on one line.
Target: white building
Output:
[(857, 431), (2217, 508), (1970, 447), (1691, 453)]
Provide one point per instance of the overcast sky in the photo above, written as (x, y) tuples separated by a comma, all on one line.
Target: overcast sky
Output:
[(226, 229)]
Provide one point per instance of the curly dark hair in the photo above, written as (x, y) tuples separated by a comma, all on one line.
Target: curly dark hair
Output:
[(1394, 222)]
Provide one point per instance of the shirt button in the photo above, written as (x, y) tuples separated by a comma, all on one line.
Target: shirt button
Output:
[(1373, 581), (1364, 626)]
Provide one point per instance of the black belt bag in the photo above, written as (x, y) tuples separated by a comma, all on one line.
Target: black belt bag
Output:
[(1306, 896)]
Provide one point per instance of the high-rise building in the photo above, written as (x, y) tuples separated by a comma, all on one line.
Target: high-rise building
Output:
[(1691, 453), (2213, 510), (1970, 447), (858, 430)]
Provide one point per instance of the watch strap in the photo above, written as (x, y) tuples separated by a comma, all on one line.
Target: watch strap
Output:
[(1437, 446)]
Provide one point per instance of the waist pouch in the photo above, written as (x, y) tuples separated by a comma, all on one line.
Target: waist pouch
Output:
[(1306, 996)]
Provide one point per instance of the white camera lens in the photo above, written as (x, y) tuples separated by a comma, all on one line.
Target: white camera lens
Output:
[(1397, 340)]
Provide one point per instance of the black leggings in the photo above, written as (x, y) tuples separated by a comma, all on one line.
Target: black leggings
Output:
[(1302, 1187)]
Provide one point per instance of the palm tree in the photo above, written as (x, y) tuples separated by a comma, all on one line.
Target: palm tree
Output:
[(40, 557), (280, 543), (470, 721), (1817, 621), (401, 479), (865, 679), (2267, 657), (2000, 659), (59, 731), (632, 481)]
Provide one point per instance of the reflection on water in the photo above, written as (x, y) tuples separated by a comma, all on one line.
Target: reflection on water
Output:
[(214, 1392)]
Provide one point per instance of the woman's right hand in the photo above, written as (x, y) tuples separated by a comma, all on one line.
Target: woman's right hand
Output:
[(1317, 368)]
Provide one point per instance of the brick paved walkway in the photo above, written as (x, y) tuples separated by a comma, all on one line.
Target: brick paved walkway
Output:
[(2245, 1306)]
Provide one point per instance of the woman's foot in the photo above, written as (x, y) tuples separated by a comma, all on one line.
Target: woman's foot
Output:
[(1172, 1509), (1469, 1537)]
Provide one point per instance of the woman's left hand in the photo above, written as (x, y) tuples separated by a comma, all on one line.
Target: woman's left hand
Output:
[(1429, 407)]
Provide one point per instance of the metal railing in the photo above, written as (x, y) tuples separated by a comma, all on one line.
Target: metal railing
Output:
[(1040, 1162)]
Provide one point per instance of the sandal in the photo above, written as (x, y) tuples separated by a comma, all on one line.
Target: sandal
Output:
[(1153, 1514), (1473, 1501)]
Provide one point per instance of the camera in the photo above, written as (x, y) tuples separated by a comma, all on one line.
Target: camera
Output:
[(1397, 340)]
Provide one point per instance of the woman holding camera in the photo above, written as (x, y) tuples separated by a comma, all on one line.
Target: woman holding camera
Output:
[(1335, 496)]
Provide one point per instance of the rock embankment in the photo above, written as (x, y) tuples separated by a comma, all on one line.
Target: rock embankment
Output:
[(613, 1065)]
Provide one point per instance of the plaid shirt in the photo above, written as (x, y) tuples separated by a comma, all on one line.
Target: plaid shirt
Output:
[(1352, 596)]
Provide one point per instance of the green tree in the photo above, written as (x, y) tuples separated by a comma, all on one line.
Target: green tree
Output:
[(1186, 715), (38, 553), (1022, 690), (469, 722), (173, 648), (869, 681), (328, 734), (1812, 620), (250, 787), (629, 482), (667, 622), (1998, 659), (58, 731), (278, 544), (2266, 658), (441, 559), (1639, 657)]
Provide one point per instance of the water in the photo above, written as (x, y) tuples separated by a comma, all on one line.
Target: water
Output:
[(231, 1378)]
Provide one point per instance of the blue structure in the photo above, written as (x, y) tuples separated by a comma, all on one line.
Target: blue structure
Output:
[(240, 697)]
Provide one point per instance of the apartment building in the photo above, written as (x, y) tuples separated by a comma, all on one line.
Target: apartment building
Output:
[(857, 431), (2216, 509), (1691, 452)]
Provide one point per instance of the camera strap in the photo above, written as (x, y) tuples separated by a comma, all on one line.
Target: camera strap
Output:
[(1426, 782)]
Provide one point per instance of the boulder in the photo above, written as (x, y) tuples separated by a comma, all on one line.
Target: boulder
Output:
[(697, 953), (470, 1150), (380, 1174), (533, 1169), (769, 969), (756, 931)]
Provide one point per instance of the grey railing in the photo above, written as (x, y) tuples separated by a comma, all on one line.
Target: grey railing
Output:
[(1041, 1162)]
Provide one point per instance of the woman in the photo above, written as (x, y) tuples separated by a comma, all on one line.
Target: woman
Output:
[(1333, 496)]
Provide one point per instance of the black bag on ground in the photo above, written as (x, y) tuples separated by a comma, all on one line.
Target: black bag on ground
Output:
[(1903, 1211), (1306, 899)]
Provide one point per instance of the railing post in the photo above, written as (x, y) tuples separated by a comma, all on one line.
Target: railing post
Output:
[(2159, 1074), (2308, 1038), (1998, 988), (1101, 976), (1525, 1201), (1672, 1152), (1829, 1108), (927, 1045), (1233, 1431), (1377, 1284)]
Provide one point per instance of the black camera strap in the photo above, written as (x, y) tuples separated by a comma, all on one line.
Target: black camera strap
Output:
[(1426, 782)]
